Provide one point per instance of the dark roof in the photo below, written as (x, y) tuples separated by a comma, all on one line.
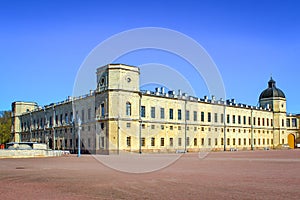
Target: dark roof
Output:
[(271, 91)]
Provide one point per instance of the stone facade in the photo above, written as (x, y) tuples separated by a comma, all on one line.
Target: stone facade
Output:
[(117, 116)]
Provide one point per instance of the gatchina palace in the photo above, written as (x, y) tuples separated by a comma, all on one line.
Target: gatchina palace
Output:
[(118, 116)]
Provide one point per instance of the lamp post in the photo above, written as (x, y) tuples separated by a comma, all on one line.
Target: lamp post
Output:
[(252, 136), (79, 127), (224, 120), (53, 130), (30, 126), (45, 134)]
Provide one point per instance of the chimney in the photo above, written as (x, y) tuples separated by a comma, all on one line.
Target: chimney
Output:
[(162, 90), (179, 93)]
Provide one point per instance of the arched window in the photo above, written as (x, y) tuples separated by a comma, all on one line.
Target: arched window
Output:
[(128, 109)]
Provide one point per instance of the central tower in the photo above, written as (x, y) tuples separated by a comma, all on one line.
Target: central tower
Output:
[(117, 106)]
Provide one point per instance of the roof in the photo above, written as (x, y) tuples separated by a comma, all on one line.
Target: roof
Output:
[(271, 91)]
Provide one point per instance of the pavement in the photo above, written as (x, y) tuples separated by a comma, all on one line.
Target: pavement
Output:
[(272, 174)]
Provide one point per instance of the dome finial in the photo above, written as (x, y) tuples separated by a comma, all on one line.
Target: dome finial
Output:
[(271, 82)]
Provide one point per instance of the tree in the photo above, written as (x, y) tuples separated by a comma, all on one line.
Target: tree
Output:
[(5, 126)]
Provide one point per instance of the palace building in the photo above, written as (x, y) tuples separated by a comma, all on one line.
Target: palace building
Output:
[(118, 116)]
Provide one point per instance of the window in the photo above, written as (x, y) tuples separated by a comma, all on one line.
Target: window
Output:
[(187, 115), (195, 115), (216, 117), (128, 141), (162, 141), (202, 116), (128, 109), (179, 141), (143, 111), (294, 122), (209, 117), (143, 141), (162, 113), (195, 141), (50, 120), (288, 122), (152, 112), (171, 142), (171, 113), (188, 141), (228, 119), (82, 115), (102, 110), (66, 118), (153, 141), (101, 142), (179, 114), (61, 118), (89, 114)]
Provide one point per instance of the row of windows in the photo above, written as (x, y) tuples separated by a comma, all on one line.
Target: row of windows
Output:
[(294, 122), (204, 141), (195, 128), (59, 119), (234, 119)]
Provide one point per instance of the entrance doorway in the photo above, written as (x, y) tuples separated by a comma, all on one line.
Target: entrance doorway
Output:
[(291, 141)]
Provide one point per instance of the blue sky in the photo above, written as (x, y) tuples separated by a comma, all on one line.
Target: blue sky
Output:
[(43, 43)]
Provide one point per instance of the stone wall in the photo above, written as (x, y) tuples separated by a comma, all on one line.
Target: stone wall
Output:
[(6, 153)]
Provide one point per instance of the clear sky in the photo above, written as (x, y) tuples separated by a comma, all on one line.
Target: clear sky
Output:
[(43, 43)]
